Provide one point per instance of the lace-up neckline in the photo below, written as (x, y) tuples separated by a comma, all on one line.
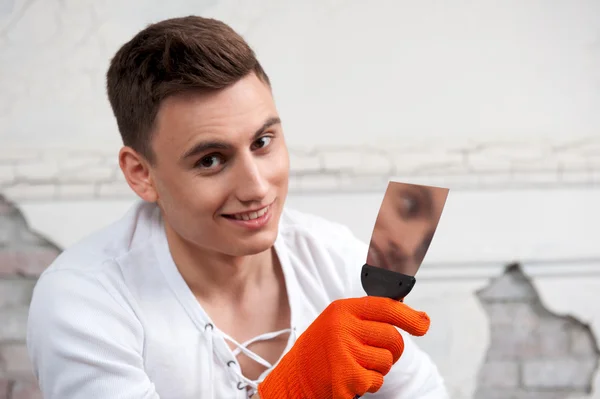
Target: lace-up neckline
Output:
[(243, 381), (216, 340)]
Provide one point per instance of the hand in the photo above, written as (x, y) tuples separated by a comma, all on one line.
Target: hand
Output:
[(346, 351)]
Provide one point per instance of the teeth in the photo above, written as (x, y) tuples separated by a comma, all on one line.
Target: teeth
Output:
[(251, 215)]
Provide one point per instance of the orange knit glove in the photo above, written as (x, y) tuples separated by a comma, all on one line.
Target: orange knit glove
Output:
[(346, 351)]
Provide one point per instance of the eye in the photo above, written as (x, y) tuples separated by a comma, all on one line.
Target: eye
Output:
[(262, 142), (409, 206), (209, 161)]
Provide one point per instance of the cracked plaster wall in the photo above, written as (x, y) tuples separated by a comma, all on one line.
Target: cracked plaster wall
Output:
[(23, 256), (533, 352)]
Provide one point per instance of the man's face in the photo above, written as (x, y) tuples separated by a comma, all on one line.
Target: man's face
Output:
[(222, 167), (405, 226)]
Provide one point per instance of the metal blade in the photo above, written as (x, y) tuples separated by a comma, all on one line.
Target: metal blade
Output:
[(404, 228)]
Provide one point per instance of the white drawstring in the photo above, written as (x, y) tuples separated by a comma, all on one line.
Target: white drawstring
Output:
[(242, 348)]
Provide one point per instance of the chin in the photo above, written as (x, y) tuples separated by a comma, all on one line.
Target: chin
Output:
[(246, 249), (253, 245)]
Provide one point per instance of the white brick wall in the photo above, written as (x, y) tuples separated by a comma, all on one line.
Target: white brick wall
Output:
[(47, 174)]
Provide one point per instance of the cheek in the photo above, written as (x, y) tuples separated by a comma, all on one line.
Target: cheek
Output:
[(185, 196), (410, 235), (388, 218), (205, 197), (173, 192)]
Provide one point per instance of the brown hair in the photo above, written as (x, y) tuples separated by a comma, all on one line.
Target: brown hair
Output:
[(169, 57)]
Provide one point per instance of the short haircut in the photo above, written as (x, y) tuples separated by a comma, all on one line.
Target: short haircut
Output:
[(169, 57)]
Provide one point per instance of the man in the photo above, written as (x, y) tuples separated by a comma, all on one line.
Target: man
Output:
[(208, 287)]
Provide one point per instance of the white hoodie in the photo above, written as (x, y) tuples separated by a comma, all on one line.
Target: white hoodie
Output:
[(112, 318)]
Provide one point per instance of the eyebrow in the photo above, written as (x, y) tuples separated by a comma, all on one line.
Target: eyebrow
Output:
[(204, 146)]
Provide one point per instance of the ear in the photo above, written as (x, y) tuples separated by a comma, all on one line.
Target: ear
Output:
[(137, 173)]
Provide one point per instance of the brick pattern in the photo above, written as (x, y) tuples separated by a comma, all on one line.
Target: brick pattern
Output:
[(533, 353), (23, 256), (78, 174)]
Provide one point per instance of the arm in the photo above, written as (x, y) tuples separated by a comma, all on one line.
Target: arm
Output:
[(83, 343)]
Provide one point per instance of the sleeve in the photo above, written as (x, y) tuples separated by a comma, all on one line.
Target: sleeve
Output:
[(415, 375), (83, 343)]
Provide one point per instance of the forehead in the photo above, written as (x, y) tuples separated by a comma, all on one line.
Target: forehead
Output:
[(228, 113)]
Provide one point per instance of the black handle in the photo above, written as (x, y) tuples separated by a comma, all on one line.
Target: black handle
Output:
[(377, 281)]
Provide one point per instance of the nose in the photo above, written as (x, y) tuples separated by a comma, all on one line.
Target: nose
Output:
[(251, 179), (403, 256)]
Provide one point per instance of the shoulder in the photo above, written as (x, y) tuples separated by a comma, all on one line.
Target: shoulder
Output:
[(66, 294), (85, 285), (111, 242), (78, 308), (77, 324)]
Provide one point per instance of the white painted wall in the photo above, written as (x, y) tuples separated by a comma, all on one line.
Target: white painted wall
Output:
[(343, 71), (433, 79)]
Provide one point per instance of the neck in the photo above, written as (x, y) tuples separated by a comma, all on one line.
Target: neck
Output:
[(213, 276)]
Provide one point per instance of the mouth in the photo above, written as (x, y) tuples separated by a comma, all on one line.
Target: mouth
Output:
[(250, 215)]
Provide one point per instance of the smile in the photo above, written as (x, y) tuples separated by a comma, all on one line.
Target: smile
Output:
[(252, 220), (250, 215)]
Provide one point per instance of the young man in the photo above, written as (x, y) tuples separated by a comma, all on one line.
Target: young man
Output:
[(208, 287)]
